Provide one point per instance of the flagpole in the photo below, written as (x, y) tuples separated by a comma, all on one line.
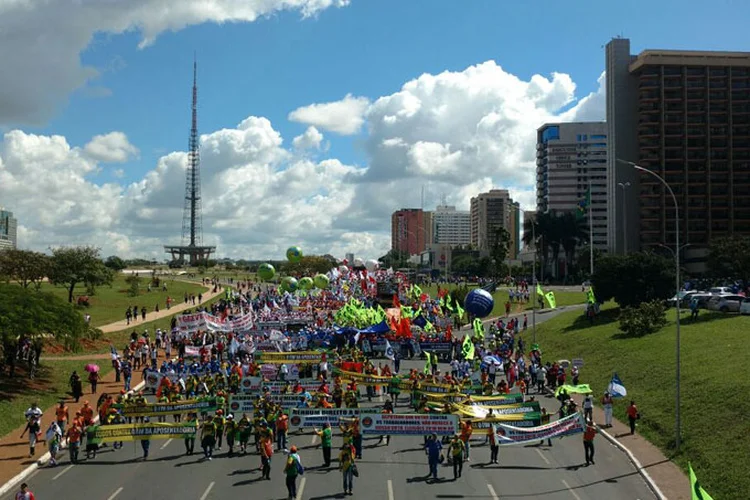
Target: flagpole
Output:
[(591, 232)]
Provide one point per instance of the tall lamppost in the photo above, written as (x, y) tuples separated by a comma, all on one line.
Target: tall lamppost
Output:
[(677, 290), (624, 187)]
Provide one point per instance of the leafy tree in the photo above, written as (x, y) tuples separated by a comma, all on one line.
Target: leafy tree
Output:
[(729, 257), (633, 278), (33, 314), (646, 318), (500, 246), (583, 259), (394, 258), (115, 263), (134, 283), (74, 265), (573, 231), (24, 266), (309, 265)]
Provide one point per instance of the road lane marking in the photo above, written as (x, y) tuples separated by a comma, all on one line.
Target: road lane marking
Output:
[(299, 491), (314, 439), (543, 457), (492, 492), (117, 492), (166, 443), (66, 469), (575, 495), (390, 490), (208, 490)]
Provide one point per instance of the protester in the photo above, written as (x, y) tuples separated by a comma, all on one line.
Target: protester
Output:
[(457, 448), (607, 402), (588, 442), (433, 447), (347, 467), (25, 493), (633, 416), (292, 469), (325, 439)]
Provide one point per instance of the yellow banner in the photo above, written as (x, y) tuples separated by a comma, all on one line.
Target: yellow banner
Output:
[(364, 379), (136, 432), (483, 411), (287, 358)]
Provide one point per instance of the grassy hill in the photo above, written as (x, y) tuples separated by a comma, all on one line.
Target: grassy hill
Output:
[(715, 406)]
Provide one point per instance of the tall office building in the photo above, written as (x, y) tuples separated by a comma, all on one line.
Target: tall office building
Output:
[(451, 226), (8, 230), (571, 157), (489, 212), (686, 116), (410, 230)]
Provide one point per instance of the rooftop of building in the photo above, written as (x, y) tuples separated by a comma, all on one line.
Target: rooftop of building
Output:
[(566, 124), (652, 57)]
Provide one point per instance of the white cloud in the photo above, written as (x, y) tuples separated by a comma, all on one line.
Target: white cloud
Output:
[(461, 133), (344, 117), (456, 134), (42, 40), (311, 139), (111, 148)]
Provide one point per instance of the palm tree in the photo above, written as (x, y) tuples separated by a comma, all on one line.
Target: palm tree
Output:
[(543, 227), (574, 231)]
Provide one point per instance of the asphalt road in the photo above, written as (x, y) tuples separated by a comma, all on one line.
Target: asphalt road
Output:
[(394, 472)]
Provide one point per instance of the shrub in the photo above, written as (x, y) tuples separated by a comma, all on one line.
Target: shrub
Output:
[(647, 318)]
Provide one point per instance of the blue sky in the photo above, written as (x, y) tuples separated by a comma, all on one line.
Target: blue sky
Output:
[(459, 133), (272, 66)]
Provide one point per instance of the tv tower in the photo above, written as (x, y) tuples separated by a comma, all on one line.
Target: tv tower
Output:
[(192, 219)]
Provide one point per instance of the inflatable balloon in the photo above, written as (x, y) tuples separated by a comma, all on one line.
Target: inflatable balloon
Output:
[(343, 269), (479, 302), (359, 262), (266, 271), (321, 281), (289, 284), (294, 254), (372, 265), (305, 283)]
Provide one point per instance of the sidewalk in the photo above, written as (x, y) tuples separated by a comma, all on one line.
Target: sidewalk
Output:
[(670, 479)]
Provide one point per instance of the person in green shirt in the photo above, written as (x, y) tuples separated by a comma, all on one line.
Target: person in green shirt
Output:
[(292, 469), (325, 439), (208, 437), (231, 432), (457, 455)]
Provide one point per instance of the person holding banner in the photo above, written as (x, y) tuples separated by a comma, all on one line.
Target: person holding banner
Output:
[(325, 440), (190, 438)]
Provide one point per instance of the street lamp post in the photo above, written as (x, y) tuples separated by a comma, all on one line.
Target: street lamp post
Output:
[(677, 290), (624, 187)]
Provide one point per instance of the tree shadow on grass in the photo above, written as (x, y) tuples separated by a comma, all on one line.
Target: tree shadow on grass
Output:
[(20, 386), (582, 322)]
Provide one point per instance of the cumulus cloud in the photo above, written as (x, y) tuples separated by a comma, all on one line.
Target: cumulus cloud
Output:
[(461, 132), (111, 148), (311, 139), (344, 117), (41, 50)]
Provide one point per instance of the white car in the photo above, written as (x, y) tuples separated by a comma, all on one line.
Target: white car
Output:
[(726, 303), (720, 290), (745, 306)]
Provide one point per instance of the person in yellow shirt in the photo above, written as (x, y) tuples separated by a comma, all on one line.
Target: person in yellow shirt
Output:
[(346, 465), (457, 448)]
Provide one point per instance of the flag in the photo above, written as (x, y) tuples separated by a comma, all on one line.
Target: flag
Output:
[(539, 290), (590, 297), (584, 204), (615, 387), (389, 351), (427, 368), (695, 487), (467, 349), (550, 296)]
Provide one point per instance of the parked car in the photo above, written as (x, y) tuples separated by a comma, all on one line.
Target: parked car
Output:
[(745, 306), (719, 290), (702, 298), (685, 297), (725, 303)]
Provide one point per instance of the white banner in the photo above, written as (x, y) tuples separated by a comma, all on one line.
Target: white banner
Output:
[(245, 403), (192, 351), (510, 435), (205, 321), (408, 424), (255, 384), (309, 418)]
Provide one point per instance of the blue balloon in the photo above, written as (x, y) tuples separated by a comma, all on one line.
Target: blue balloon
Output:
[(479, 302)]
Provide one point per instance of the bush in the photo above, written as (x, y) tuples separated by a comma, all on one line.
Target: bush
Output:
[(647, 318)]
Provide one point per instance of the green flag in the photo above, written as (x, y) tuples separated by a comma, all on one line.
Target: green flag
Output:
[(695, 487), (590, 297), (468, 348), (550, 296), (427, 368), (539, 290)]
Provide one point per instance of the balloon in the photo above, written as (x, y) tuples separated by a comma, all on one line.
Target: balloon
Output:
[(343, 269), (305, 283), (266, 271), (321, 281), (359, 262), (294, 254), (289, 284), (479, 302), (372, 265)]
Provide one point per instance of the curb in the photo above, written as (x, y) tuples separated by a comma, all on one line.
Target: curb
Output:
[(641, 470), (5, 489)]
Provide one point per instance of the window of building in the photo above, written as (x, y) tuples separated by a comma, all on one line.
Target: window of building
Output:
[(551, 133), (596, 137)]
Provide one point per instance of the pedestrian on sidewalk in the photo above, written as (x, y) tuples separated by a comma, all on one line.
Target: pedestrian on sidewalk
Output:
[(25, 493), (588, 408), (93, 380), (633, 415), (588, 442), (433, 447), (607, 405), (33, 427)]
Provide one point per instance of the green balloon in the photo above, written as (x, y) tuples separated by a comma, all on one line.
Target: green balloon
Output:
[(266, 271), (321, 281), (305, 283), (289, 284), (294, 254)]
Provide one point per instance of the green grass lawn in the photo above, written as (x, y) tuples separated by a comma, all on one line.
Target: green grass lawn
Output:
[(110, 302), (715, 407), (51, 382)]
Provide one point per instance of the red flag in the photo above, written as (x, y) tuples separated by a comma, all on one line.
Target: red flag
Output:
[(396, 302), (448, 333)]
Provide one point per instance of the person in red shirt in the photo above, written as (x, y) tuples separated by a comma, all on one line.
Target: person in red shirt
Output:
[(74, 442), (633, 415), (25, 493), (588, 442)]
